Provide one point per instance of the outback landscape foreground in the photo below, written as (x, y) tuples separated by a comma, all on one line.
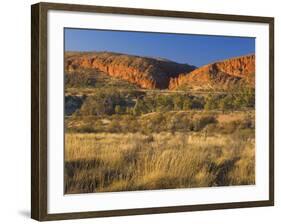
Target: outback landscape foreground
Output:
[(141, 123)]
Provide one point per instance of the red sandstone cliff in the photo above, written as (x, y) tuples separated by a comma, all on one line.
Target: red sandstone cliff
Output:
[(146, 72), (221, 75)]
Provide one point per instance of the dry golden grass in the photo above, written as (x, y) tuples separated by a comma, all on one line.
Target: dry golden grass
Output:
[(103, 162)]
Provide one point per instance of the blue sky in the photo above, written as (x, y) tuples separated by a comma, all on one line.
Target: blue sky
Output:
[(197, 50)]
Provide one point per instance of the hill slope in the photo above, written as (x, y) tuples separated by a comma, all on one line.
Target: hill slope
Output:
[(219, 75), (149, 73)]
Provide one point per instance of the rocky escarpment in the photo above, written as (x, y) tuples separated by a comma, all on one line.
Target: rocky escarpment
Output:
[(149, 73), (222, 75), (72, 103)]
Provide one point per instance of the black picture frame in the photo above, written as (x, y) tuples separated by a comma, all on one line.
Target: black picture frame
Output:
[(39, 107)]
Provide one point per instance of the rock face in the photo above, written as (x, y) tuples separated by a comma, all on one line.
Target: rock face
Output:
[(72, 103), (220, 75), (149, 73)]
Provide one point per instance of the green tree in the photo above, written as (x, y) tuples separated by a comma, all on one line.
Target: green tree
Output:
[(140, 108), (164, 103), (249, 97), (150, 104), (226, 103), (211, 102), (114, 126), (245, 97), (178, 102), (187, 104)]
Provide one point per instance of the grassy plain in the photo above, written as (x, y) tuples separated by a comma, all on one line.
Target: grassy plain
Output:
[(122, 138), (220, 154)]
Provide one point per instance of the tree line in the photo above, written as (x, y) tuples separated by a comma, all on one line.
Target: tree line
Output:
[(112, 102)]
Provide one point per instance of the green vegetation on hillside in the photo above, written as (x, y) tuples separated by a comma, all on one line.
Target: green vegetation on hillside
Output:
[(108, 101)]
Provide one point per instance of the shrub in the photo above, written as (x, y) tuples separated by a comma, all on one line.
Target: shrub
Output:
[(187, 104), (114, 126), (245, 97), (118, 109), (79, 80), (164, 103), (211, 102), (226, 103), (103, 102), (178, 101), (200, 123), (197, 103)]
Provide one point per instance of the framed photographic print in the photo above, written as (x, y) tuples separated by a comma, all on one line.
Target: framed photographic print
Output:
[(138, 111)]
